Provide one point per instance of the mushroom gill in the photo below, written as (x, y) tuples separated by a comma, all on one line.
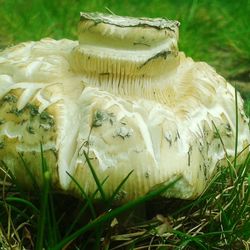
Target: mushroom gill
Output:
[(128, 98)]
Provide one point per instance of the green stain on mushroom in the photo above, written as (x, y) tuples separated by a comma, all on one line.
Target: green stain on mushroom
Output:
[(123, 132), (100, 117), (10, 98), (33, 109), (16, 112), (46, 118), (30, 129)]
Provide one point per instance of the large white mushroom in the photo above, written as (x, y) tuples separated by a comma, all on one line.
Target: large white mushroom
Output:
[(125, 95)]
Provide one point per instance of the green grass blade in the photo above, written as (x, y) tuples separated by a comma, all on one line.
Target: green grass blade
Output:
[(88, 204), (85, 196), (207, 195), (54, 230), (112, 198), (242, 206), (236, 127), (221, 141), (17, 210), (44, 203), (22, 201), (98, 235), (98, 183), (33, 179), (113, 213)]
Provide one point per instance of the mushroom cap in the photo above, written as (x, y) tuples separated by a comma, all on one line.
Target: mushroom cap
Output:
[(130, 33), (95, 97)]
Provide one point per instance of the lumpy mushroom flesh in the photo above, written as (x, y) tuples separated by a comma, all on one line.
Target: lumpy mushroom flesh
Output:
[(125, 96)]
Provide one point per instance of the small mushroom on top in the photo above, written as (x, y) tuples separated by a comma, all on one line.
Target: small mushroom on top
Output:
[(125, 96)]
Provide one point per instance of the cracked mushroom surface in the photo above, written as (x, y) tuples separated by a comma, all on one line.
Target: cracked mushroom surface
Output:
[(128, 98)]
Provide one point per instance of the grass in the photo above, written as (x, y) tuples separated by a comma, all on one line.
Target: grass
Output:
[(54, 221), (46, 217), (210, 222), (213, 31)]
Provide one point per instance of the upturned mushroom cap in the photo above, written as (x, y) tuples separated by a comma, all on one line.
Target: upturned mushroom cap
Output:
[(126, 97), (138, 48)]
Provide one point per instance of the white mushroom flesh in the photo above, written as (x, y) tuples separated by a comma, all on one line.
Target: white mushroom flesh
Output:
[(127, 97)]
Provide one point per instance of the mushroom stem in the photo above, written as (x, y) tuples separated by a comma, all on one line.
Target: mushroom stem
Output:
[(125, 55)]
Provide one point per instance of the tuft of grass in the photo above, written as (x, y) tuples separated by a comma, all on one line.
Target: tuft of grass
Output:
[(210, 222), (44, 222)]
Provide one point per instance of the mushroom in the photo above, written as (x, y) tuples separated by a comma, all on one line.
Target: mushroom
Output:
[(125, 96)]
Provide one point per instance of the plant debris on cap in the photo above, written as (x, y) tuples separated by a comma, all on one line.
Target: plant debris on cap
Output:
[(125, 97), (120, 21)]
